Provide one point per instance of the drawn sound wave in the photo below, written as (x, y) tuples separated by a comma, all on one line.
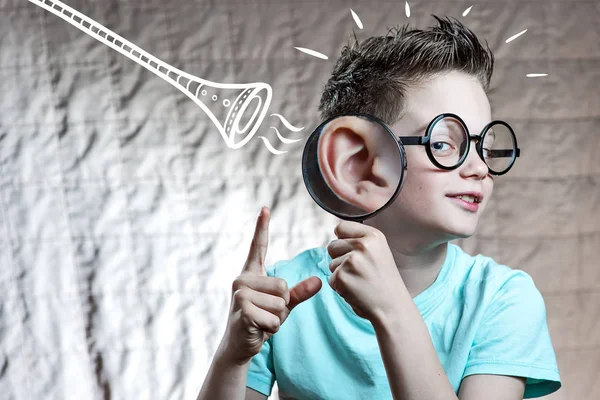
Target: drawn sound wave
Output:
[(281, 138)]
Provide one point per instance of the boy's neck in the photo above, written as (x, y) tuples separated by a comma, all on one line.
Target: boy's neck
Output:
[(420, 269)]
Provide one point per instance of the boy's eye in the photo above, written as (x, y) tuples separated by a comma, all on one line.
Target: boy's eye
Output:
[(441, 146)]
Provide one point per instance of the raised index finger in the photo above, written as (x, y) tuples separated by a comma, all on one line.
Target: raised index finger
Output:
[(258, 247)]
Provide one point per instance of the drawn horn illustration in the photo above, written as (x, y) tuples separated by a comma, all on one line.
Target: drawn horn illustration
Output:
[(237, 110)]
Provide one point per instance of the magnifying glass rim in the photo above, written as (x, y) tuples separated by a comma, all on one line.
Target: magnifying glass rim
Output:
[(401, 151)]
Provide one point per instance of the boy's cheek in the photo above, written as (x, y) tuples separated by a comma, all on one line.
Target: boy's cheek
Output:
[(490, 190)]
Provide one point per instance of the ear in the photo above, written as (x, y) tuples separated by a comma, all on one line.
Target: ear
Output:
[(357, 163)]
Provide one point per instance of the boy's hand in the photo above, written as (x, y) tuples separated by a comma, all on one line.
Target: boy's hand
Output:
[(260, 303), (364, 270)]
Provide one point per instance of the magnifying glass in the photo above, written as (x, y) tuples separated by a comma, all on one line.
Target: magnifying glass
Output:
[(353, 166)]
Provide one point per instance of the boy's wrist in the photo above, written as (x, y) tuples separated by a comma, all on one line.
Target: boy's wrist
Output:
[(383, 320), (226, 357), (225, 379)]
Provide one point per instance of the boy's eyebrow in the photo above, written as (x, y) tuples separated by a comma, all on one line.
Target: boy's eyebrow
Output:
[(418, 130), (415, 132)]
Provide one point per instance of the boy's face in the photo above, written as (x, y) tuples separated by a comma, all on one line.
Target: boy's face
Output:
[(426, 203)]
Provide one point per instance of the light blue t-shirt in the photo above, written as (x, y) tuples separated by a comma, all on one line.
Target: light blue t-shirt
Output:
[(483, 318)]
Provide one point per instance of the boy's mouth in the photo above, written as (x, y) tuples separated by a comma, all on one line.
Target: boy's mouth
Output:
[(470, 197)]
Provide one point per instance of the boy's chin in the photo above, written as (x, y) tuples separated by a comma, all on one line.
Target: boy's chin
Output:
[(462, 232), (464, 235), (462, 228)]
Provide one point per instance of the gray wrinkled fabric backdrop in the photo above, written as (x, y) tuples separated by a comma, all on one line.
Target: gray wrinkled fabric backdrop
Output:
[(124, 217)]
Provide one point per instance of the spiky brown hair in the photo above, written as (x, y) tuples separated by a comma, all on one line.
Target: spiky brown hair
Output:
[(372, 77)]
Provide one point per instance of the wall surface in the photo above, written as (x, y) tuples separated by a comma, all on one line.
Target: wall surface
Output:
[(124, 216)]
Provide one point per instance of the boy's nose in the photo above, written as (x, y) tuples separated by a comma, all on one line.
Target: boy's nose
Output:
[(474, 165)]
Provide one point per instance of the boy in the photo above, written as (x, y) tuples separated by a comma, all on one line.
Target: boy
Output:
[(395, 311)]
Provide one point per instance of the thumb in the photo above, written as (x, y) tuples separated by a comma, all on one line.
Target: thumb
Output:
[(304, 291)]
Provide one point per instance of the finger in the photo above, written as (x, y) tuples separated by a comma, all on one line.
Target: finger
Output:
[(350, 229), (304, 291), (333, 282), (336, 262), (274, 304), (339, 281), (261, 319), (264, 284), (339, 247), (258, 247)]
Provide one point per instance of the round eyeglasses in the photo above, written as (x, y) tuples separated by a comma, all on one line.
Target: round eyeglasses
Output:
[(447, 143)]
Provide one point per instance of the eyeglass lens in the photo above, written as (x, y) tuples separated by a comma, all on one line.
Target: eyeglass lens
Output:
[(449, 142)]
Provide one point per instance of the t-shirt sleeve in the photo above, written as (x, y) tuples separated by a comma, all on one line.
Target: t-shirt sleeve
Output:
[(261, 375), (513, 338)]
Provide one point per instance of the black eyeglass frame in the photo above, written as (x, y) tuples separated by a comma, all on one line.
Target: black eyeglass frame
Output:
[(425, 141)]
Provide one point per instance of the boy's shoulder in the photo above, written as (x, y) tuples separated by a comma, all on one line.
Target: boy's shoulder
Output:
[(484, 273), (478, 267)]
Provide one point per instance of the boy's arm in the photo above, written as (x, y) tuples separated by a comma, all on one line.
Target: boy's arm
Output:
[(227, 380), (413, 367), (411, 363), (254, 395), (491, 387)]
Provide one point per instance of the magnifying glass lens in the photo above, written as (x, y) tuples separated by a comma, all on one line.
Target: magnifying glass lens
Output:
[(353, 166)]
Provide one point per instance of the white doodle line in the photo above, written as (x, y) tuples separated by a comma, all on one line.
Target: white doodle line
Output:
[(190, 85), (407, 11)]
